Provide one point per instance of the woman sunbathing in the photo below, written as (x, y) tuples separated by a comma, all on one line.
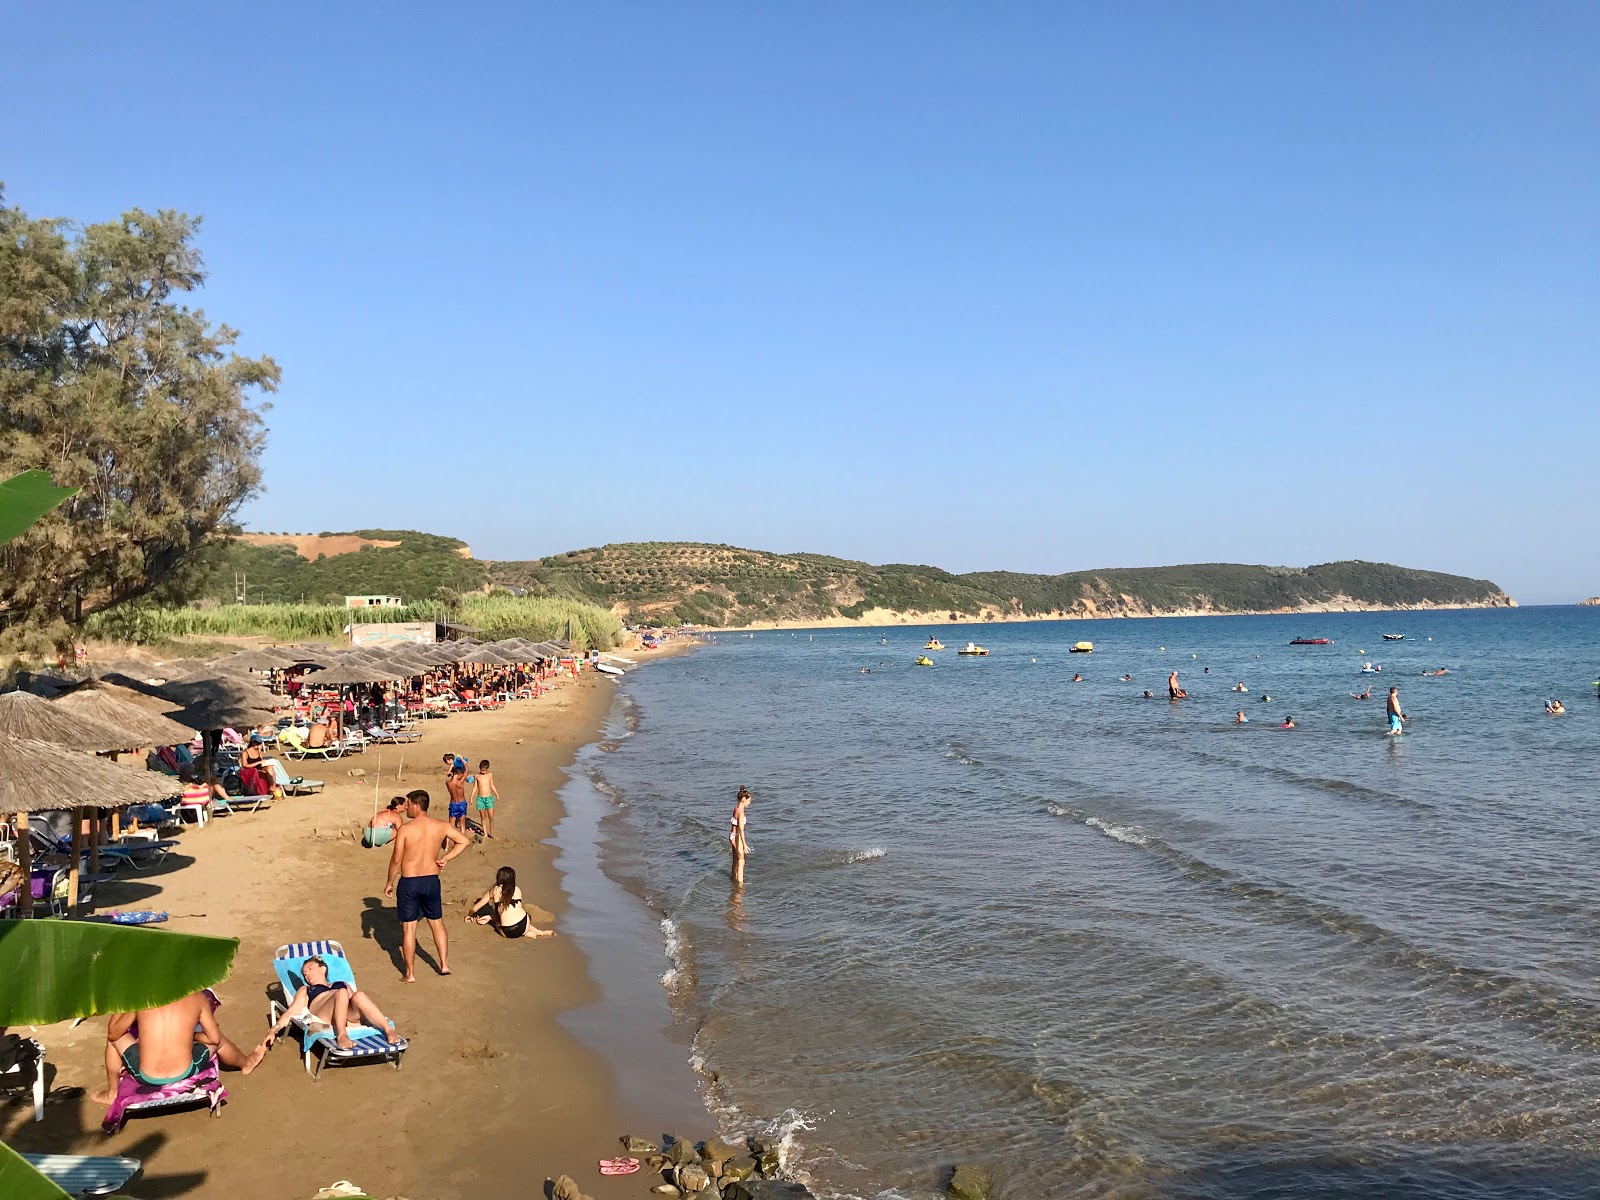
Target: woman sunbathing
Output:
[(330, 1004), (501, 909)]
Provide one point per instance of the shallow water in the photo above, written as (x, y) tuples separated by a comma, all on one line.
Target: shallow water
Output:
[(1119, 947)]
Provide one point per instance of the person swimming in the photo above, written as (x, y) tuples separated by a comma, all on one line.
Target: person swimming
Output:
[(1266, 699), (1149, 695), (1077, 679), (1288, 723), (1554, 707), (1240, 687), (1240, 719), (1366, 695)]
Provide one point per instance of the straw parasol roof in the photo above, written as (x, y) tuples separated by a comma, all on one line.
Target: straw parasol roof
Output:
[(40, 776), (99, 702), (348, 672), (214, 703), (488, 656), (24, 715), (265, 658)]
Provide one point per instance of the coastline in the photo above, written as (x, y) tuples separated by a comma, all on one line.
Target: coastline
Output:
[(496, 1093), (881, 618)]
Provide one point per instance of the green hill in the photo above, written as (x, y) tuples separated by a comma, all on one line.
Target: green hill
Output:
[(724, 585)]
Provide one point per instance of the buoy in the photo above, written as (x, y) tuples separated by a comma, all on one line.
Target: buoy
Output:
[(1034, 660), (1194, 656), (1163, 647), (1360, 651)]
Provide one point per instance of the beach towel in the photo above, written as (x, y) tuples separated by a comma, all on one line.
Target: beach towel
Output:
[(204, 1086)]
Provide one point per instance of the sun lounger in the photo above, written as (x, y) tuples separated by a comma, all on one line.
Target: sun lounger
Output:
[(22, 1065), (392, 737), (85, 1175), (292, 785), (233, 804), (294, 746), (317, 1044)]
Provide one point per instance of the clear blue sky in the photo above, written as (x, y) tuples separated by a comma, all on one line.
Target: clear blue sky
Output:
[(1039, 286)]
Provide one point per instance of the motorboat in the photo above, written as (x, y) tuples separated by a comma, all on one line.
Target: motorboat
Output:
[(1394, 637), (924, 661), (934, 644), (1312, 642), (973, 649), (1083, 648)]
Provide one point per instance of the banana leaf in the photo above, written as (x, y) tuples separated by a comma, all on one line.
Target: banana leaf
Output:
[(24, 499), (58, 970), (19, 1181)]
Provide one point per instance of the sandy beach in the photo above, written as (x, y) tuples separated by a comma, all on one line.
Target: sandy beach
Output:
[(494, 1095)]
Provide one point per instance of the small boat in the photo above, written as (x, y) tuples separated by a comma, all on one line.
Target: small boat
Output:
[(1083, 648), (1394, 637), (972, 648), (608, 669), (1312, 642), (934, 644), (924, 661)]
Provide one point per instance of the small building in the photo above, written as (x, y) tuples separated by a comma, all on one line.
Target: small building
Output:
[(373, 602), (378, 633)]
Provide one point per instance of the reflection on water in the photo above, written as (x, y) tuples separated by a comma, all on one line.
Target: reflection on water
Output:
[(1121, 947)]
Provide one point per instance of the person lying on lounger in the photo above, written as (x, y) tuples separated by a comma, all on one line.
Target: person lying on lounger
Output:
[(330, 1004), (168, 1047), (501, 909)]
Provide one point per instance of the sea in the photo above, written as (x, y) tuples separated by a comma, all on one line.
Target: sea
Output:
[(1110, 946)]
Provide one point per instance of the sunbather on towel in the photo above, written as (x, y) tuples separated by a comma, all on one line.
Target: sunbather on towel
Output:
[(330, 1004), (168, 1047)]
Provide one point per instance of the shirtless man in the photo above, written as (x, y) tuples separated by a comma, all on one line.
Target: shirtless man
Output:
[(169, 1047), (1173, 690), (1397, 719), (414, 879)]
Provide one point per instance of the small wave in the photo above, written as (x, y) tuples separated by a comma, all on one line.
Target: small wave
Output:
[(871, 854), (672, 936), (957, 753), (604, 786), (1120, 832)]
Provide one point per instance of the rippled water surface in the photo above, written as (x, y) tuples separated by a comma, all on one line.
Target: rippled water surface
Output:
[(1120, 947)]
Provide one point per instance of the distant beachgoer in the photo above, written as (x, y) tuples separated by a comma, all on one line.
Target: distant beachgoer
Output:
[(1208, 670), (485, 797), (1266, 699), (414, 868), (736, 833), (385, 822), (1397, 718), (455, 783), (1555, 708), (1077, 679), (1240, 719), (501, 909), (1173, 690), (1288, 723), (1240, 687), (1149, 695), (1366, 695), (1127, 679)]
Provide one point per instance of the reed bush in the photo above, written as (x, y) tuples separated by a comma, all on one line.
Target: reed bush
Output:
[(537, 618)]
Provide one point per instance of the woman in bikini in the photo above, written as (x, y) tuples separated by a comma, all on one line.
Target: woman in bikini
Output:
[(736, 830), (501, 909), (330, 1003)]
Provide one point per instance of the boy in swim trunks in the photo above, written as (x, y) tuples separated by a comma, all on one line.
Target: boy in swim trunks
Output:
[(456, 784), (484, 796)]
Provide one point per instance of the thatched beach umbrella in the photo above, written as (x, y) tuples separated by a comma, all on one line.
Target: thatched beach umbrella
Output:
[(488, 656), (99, 702), (40, 776), (347, 673), (221, 701), (264, 658), (24, 715)]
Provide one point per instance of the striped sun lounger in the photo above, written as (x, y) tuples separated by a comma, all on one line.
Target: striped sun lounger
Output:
[(83, 1175), (317, 1044)]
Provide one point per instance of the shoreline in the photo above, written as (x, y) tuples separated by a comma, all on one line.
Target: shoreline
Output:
[(890, 618), (498, 1090)]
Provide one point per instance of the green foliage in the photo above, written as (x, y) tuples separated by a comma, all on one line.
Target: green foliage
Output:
[(24, 499), (120, 390), (19, 1181), (723, 585), (416, 569), (537, 618), (59, 970)]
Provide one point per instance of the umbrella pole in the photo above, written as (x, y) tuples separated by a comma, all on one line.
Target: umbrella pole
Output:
[(25, 861), (94, 844), (77, 854)]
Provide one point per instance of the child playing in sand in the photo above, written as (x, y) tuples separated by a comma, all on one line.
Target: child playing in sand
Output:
[(484, 797), (456, 784)]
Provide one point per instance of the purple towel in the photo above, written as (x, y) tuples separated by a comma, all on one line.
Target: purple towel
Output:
[(205, 1084)]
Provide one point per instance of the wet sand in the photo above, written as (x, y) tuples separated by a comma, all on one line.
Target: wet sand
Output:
[(495, 1094)]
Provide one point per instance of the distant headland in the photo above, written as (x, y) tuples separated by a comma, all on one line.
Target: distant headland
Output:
[(729, 587)]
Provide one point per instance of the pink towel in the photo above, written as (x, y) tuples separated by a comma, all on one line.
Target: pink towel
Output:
[(205, 1084)]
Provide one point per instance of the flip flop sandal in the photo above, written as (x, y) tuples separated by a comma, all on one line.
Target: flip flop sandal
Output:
[(618, 1166)]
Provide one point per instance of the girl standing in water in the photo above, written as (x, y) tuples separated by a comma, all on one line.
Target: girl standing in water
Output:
[(736, 830)]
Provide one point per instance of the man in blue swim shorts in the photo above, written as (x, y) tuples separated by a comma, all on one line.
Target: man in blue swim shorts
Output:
[(414, 868), (1397, 719)]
